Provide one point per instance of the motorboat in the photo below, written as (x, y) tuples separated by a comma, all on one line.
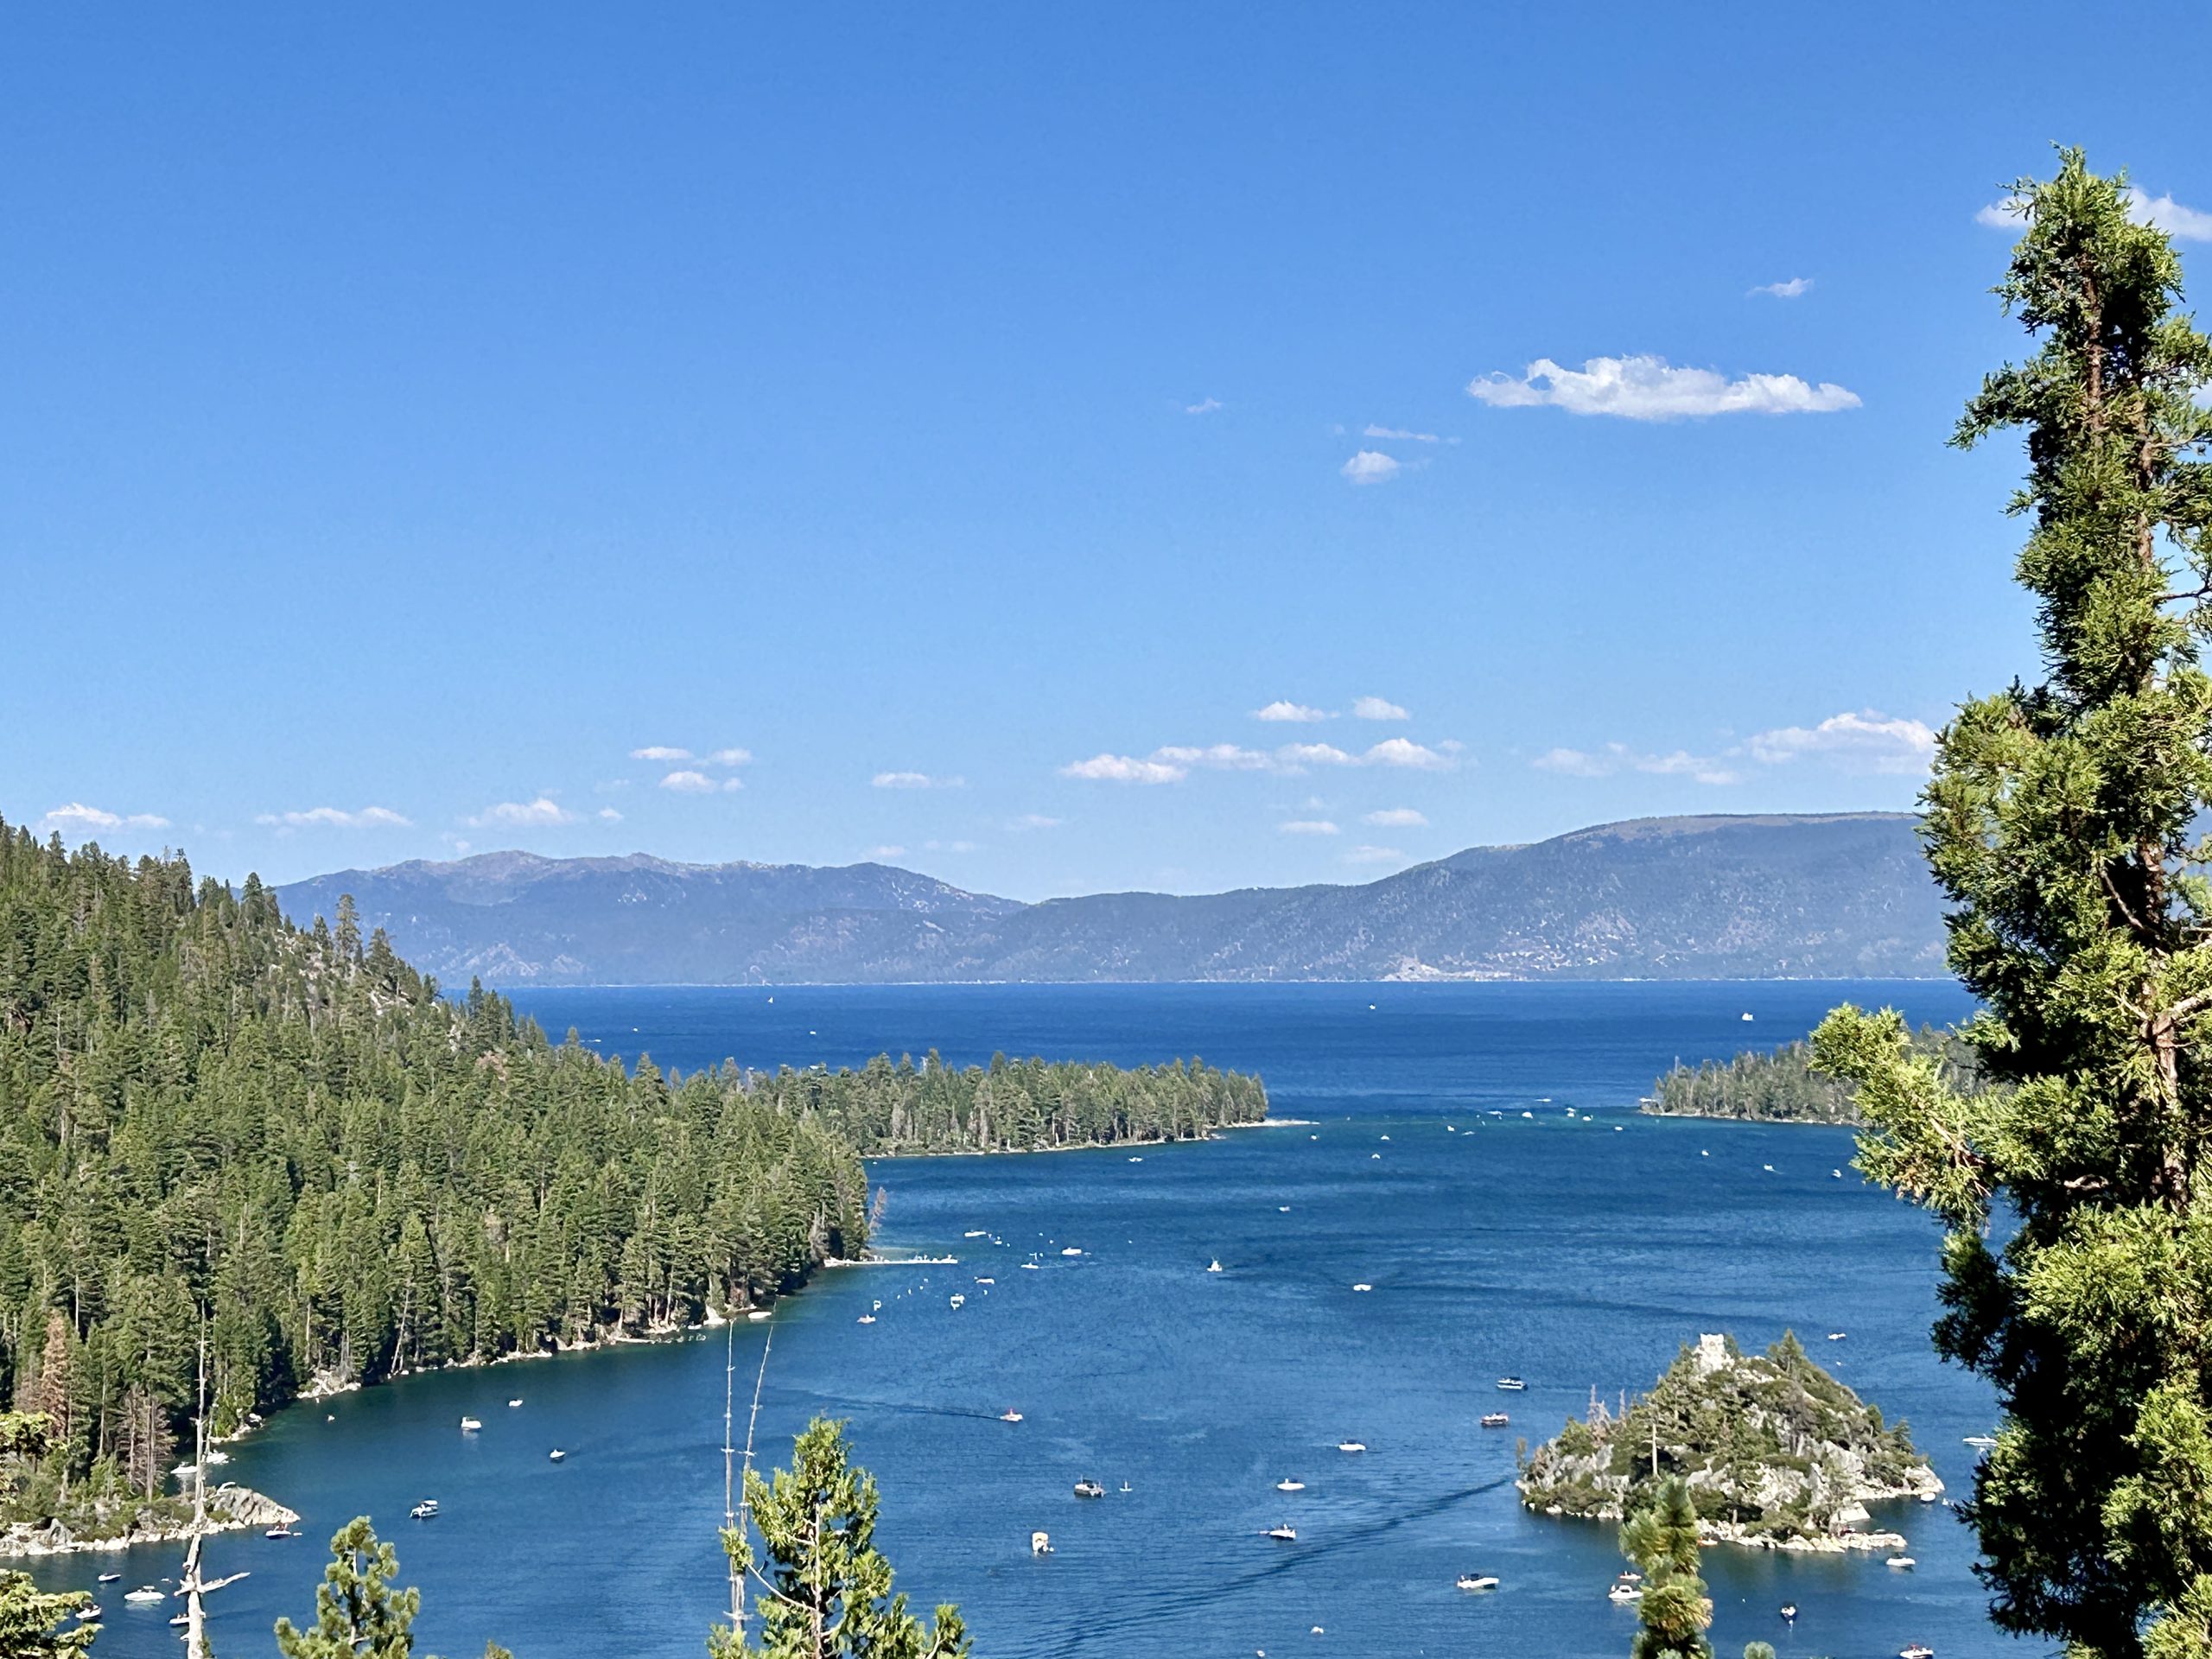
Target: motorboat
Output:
[(1041, 1543), (110, 1578), (957, 1300), (976, 1232), (1089, 1489), (1071, 1250), (423, 1510), (280, 1532), (1903, 1563), (1836, 1336), (1290, 1485), (1790, 1610), (1495, 1420), (1363, 1286), (1351, 1446), (1283, 1535), (1916, 1650), (1981, 1442), (556, 1455), (1009, 1416), (1511, 1384), (1214, 1266), (1624, 1593), (1477, 1581), (84, 1615), (511, 1404), (1030, 1266), (866, 1318), (144, 1592), (470, 1424)]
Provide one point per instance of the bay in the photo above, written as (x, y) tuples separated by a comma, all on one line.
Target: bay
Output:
[(1577, 1251)]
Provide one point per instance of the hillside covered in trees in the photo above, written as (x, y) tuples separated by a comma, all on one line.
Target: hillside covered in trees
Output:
[(213, 1120), (1780, 1085)]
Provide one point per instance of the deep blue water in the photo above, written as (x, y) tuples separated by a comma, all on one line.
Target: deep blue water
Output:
[(1575, 1254)]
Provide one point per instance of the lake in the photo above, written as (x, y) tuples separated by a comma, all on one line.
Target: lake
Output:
[(1578, 1252)]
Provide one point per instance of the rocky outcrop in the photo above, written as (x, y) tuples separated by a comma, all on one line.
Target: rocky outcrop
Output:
[(120, 1525), (1778, 1454)]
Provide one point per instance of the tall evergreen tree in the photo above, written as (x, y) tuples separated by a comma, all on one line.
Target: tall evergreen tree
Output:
[(826, 1593), (358, 1613), (1661, 1538), (28, 1618), (2061, 821)]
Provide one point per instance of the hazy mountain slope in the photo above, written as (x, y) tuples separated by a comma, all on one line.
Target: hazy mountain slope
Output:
[(1662, 897)]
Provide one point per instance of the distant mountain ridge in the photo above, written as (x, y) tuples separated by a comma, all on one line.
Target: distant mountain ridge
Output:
[(1834, 895)]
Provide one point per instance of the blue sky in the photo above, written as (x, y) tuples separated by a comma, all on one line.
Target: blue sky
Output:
[(963, 415)]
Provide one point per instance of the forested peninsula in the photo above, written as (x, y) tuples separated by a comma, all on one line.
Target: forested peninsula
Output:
[(212, 1122), (1780, 1085)]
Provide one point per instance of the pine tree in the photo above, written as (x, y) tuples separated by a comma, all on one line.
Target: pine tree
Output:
[(358, 1613), (827, 1593), (28, 1618), (2061, 820), (1661, 1538)]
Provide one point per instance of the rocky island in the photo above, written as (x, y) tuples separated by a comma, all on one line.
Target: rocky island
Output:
[(1777, 1453)]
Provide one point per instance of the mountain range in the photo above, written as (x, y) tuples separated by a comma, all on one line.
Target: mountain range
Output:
[(1838, 895)]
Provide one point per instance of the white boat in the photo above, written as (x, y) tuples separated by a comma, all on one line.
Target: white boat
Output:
[(1835, 1336), (110, 1578), (1071, 1250), (1902, 1562), (1624, 1593), (1136, 1161), (1351, 1446), (987, 1281), (1126, 1487), (1214, 1266), (511, 1404), (1747, 1016), (979, 1232), (759, 1313), (1009, 1416), (1790, 1610), (87, 1613), (1089, 1489), (957, 1300), (1982, 1442), (1477, 1581), (144, 1592), (1511, 1384), (1363, 1286), (1030, 1266), (1768, 1167), (423, 1510), (1290, 1485), (1285, 1535), (1041, 1543), (1916, 1650), (556, 1454), (470, 1424), (866, 1318)]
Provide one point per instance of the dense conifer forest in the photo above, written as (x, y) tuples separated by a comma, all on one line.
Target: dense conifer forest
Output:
[(1780, 1086), (213, 1120)]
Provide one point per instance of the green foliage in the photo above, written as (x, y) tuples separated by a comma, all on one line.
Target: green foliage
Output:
[(1770, 1448), (1675, 1612), (357, 1610), (1758, 1650), (28, 1619), (827, 1592), (2060, 822), (205, 1111), (1014, 1105), (1783, 1086)]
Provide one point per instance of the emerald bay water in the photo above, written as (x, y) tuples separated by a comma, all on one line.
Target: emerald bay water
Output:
[(1574, 1253)]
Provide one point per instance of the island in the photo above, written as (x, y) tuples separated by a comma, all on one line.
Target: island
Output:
[(1780, 1085), (1777, 1453)]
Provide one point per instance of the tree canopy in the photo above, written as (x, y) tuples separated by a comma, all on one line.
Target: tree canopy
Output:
[(2062, 821)]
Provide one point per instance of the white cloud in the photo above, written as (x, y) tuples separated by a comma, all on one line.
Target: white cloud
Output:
[(1378, 708), (659, 752), (1204, 406), (608, 815), (1618, 757), (1399, 434), (1125, 769), (1865, 741), (1291, 711), (916, 780), (78, 819), (2005, 215), (369, 817), (1297, 755), (2169, 215), (1369, 466), (1034, 821), (1645, 388), (948, 846), (1396, 818), (697, 783), (1794, 289), (729, 758), (1309, 827), (522, 814), (887, 852), (1403, 752), (1217, 757), (1373, 855)]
